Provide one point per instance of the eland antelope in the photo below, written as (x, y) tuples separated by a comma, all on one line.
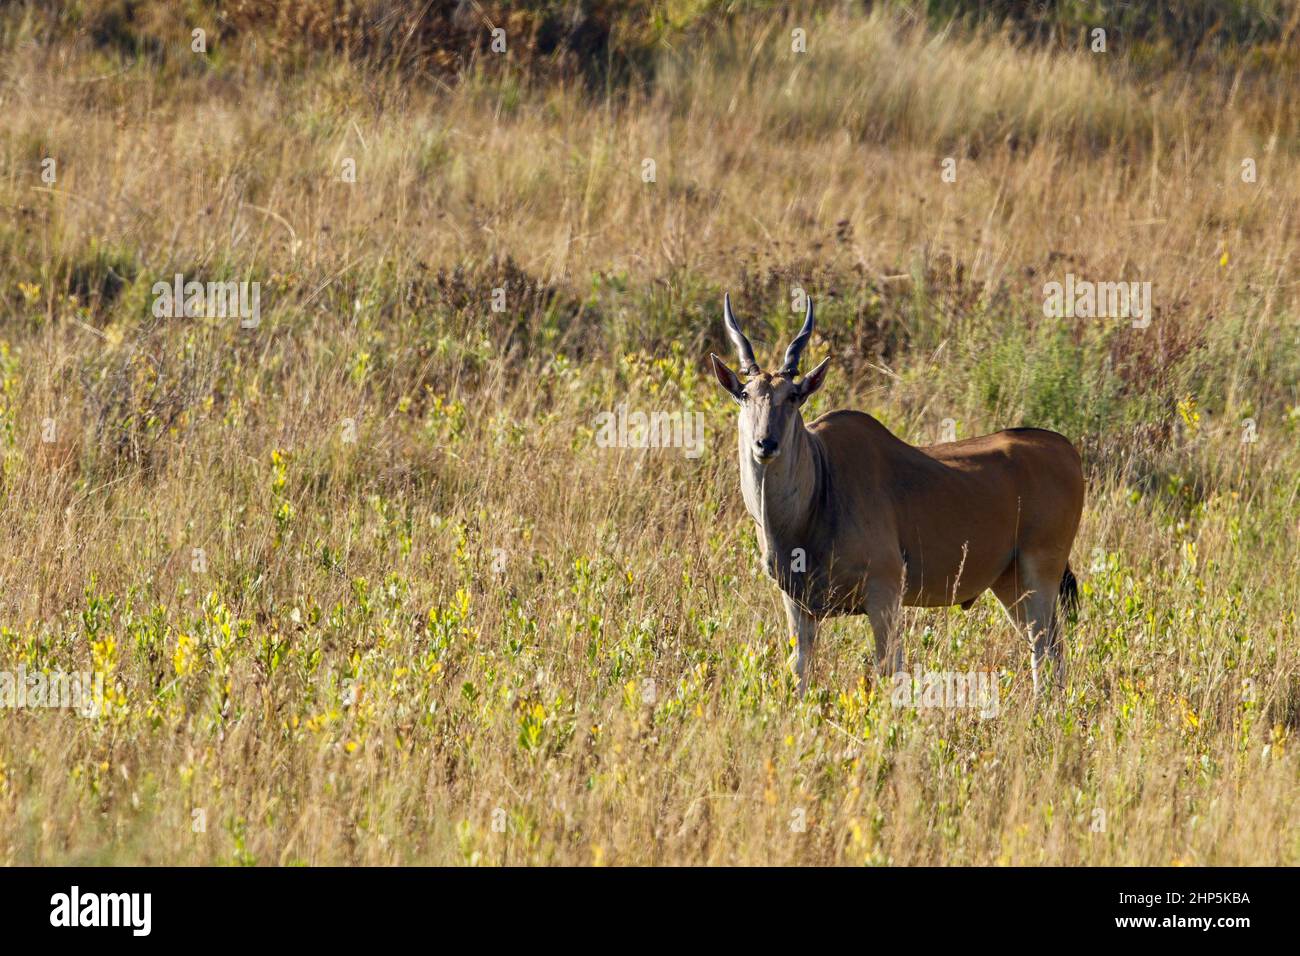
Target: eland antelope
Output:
[(853, 520)]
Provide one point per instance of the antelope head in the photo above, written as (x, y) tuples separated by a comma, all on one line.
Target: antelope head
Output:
[(769, 403)]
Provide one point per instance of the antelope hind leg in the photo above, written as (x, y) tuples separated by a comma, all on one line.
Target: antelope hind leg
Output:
[(1029, 596)]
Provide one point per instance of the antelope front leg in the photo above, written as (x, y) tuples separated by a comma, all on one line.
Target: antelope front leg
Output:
[(803, 627), (884, 606)]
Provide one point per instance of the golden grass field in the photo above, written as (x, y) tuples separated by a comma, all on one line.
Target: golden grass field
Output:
[(431, 620)]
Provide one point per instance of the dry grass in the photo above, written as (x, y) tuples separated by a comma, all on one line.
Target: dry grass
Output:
[(450, 623)]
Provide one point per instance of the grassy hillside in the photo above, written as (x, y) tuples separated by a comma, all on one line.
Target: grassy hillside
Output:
[(365, 586)]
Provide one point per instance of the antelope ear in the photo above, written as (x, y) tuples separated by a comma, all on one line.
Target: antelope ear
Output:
[(726, 377), (813, 380)]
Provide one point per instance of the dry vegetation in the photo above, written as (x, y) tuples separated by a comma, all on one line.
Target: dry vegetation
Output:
[(472, 615)]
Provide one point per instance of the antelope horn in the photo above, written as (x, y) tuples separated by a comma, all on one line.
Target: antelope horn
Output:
[(748, 364), (792, 355)]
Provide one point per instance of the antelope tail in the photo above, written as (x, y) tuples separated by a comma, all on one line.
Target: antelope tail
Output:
[(1069, 592)]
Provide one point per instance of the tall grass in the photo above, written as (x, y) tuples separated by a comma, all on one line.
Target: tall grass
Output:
[(433, 621)]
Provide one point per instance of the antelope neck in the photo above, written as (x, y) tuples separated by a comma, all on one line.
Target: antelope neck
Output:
[(782, 495)]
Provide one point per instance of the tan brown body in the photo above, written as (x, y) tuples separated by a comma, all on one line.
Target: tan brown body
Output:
[(949, 521)]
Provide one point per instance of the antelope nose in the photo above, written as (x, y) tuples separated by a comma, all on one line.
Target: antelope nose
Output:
[(765, 448)]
